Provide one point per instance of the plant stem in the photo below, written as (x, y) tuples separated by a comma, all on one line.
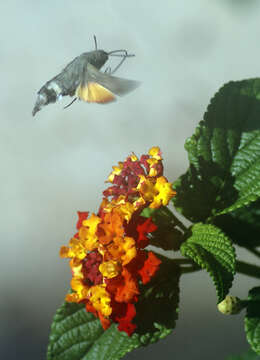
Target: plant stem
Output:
[(175, 219), (183, 261), (248, 269), (189, 269), (254, 251), (184, 269)]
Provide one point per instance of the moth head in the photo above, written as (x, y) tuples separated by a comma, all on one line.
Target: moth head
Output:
[(99, 58)]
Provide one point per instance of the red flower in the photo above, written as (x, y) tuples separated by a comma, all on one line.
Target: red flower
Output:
[(142, 228), (150, 267), (125, 322), (83, 215)]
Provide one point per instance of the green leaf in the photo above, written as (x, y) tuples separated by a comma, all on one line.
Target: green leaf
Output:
[(224, 155), (252, 319), (242, 225), (212, 250), (73, 332), (78, 335), (249, 355)]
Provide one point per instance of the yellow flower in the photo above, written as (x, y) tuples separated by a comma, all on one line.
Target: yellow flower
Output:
[(76, 268), (76, 249), (79, 288), (155, 152), (165, 193), (139, 203), (110, 269), (157, 192), (92, 223), (66, 252), (146, 188), (129, 248), (116, 171), (100, 299), (153, 171), (133, 157), (124, 208), (87, 233)]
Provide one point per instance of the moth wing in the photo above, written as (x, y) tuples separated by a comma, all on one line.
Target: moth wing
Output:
[(116, 85), (91, 91), (101, 88)]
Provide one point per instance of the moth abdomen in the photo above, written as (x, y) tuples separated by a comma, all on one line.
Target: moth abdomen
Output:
[(49, 93)]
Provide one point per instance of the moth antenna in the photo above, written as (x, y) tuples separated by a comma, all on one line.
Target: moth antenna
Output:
[(65, 107), (117, 53), (95, 40)]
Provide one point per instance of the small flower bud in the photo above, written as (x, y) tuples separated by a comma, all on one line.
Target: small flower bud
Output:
[(231, 305)]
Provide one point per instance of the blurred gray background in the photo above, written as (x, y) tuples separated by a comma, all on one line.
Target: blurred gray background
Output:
[(56, 163)]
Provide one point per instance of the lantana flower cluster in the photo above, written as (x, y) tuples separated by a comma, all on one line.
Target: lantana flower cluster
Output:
[(108, 260)]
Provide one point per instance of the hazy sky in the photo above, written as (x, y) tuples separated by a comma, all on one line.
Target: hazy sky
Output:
[(56, 163)]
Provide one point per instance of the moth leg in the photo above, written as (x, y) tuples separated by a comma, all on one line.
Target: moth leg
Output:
[(65, 107), (118, 66), (108, 70)]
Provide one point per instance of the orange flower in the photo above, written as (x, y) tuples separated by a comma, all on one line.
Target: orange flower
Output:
[(128, 289), (111, 227), (122, 249)]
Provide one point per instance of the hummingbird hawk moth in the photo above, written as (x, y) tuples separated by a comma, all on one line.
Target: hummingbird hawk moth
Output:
[(83, 79)]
